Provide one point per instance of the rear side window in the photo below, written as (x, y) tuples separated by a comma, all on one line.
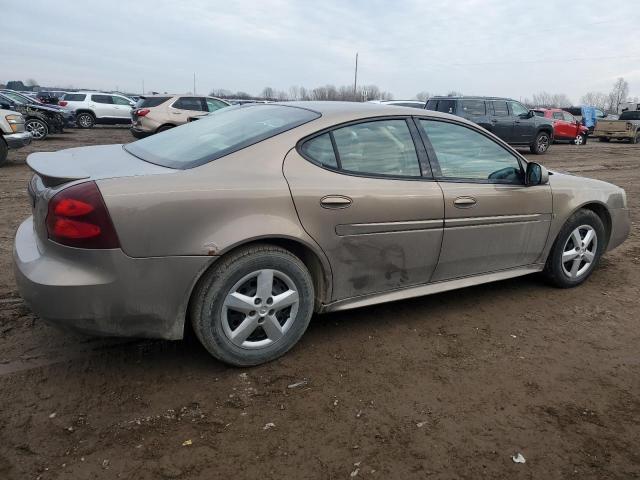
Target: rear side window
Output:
[(189, 103), (213, 104), (102, 99), (500, 109), (151, 102), (218, 134), (474, 107), (74, 97), (320, 149), (383, 147), (446, 106)]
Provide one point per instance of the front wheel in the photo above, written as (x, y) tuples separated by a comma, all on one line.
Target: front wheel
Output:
[(580, 139), (635, 139), (37, 128), (541, 144), (253, 306), (577, 250), (4, 152)]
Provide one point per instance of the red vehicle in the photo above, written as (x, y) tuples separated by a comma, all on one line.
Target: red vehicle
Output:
[(565, 125)]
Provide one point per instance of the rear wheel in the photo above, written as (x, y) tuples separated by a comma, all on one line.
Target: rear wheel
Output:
[(604, 139), (4, 152), (164, 128), (37, 128), (635, 139), (85, 120), (577, 250), (253, 306), (541, 144)]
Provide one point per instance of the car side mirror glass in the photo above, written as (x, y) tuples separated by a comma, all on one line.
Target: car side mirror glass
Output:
[(536, 174), (531, 114)]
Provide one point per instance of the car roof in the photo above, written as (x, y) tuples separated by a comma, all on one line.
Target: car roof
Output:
[(338, 112), (468, 97)]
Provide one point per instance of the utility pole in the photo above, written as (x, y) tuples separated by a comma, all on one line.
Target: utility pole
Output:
[(355, 79), (194, 83), (143, 86)]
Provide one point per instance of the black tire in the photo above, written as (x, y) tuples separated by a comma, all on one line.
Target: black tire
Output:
[(164, 128), (38, 128), (604, 139), (584, 137), (210, 318), (4, 152), (635, 139), (541, 144), (555, 269), (85, 120), (139, 134)]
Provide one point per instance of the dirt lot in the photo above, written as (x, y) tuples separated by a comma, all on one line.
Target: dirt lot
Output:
[(447, 386)]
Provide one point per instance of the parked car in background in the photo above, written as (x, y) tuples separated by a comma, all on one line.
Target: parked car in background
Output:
[(158, 113), (68, 115), (565, 125), (40, 120), (627, 127), (12, 133), (508, 119), (401, 103), (93, 108), (247, 221), (50, 97)]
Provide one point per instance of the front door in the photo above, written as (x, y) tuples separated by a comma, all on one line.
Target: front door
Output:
[(501, 122), (524, 123), (363, 192), (492, 221)]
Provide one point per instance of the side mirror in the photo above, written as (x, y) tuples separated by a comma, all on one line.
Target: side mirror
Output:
[(530, 114), (5, 106), (536, 174)]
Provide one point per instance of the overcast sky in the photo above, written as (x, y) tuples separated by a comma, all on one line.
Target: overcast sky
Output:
[(506, 48)]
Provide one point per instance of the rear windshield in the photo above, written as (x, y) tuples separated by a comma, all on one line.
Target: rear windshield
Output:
[(151, 102), (218, 134), (74, 97), (632, 115)]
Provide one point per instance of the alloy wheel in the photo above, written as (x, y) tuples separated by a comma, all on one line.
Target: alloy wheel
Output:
[(543, 143), (579, 251), (579, 140), (84, 121), (37, 129), (260, 309)]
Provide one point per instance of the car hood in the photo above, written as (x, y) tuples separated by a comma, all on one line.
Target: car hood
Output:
[(91, 163)]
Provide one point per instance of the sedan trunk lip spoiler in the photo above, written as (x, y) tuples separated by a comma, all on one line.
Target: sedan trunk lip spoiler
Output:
[(42, 166)]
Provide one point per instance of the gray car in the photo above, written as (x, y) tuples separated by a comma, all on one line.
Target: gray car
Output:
[(251, 219)]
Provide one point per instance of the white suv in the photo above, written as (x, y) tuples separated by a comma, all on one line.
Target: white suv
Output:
[(98, 108)]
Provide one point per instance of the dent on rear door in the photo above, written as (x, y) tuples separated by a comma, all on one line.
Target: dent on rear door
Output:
[(389, 237)]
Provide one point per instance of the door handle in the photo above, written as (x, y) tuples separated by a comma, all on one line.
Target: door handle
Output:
[(464, 202), (335, 201)]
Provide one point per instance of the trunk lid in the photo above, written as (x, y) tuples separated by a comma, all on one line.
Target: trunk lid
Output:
[(90, 163), (55, 169)]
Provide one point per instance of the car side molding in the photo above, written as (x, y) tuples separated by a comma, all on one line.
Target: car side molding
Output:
[(429, 288)]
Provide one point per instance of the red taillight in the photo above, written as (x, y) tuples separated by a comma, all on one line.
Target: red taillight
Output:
[(142, 112), (78, 217), (62, 103)]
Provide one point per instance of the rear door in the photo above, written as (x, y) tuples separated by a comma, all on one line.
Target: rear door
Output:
[(364, 192), (502, 124), (492, 220), (102, 105), (185, 107)]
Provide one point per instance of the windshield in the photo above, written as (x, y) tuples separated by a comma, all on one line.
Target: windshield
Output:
[(630, 115), (218, 134), (17, 98)]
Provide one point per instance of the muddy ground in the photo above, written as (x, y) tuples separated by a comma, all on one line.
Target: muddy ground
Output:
[(446, 386)]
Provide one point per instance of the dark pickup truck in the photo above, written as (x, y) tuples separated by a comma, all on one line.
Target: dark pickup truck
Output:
[(508, 119)]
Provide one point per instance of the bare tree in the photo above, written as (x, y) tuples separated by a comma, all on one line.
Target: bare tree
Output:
[(30, 82), (548, 100), (595, 99), (268, 93), (454, 93), (618, 95), (423, 96)]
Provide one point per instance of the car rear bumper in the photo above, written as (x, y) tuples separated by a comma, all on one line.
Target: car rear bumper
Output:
[(18, 140), (104, 292)]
